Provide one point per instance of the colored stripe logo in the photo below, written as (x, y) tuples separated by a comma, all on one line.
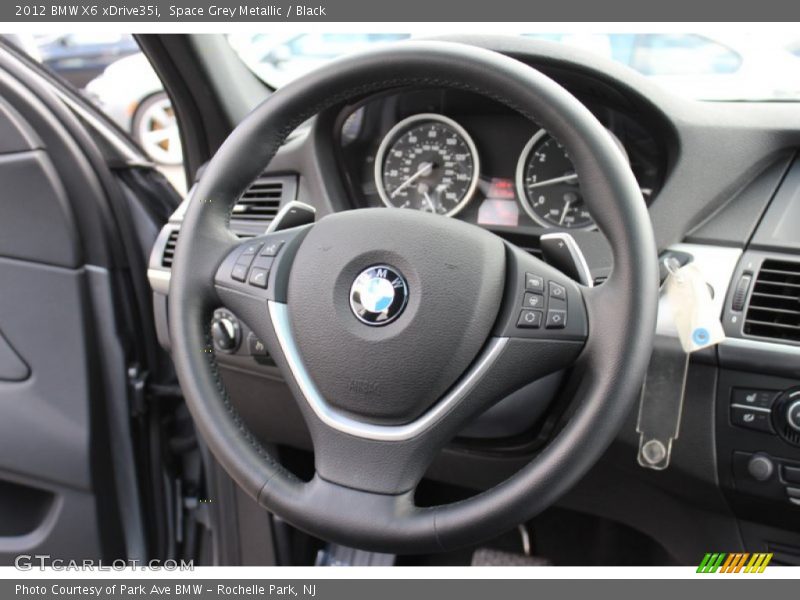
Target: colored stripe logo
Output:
[(737, 562)]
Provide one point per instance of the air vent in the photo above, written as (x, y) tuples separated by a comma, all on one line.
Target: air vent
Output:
[(169, 249), (261, 202), (774, 310)]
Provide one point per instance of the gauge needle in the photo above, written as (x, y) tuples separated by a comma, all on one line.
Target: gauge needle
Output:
[(424, 169), (567, 204), (429, 201), (565, 179)]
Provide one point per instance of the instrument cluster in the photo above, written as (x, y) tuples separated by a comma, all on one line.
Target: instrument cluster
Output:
[(459, 155)]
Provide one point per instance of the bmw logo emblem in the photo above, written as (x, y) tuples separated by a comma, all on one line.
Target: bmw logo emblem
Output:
[(378, 295)]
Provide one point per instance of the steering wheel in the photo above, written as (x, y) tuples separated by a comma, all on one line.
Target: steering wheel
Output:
[(394, 328)]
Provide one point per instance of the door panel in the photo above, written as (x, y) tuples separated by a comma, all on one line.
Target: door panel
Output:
[(61, 359)]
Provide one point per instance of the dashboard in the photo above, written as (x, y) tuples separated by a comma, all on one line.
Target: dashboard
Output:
[(721, 183), (462, 155)]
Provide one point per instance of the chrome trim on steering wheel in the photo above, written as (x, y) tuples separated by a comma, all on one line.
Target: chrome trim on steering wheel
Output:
[(279, 315)]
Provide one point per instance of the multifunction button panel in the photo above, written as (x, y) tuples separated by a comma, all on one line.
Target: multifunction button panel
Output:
[(540, 301), (254, 263), (260, 267), (544, 303)]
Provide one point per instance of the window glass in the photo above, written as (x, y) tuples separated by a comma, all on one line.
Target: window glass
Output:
[(704, 66), (112, 72)]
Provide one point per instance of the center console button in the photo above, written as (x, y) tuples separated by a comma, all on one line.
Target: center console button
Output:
[(751, 418), (791, 474), (749, 397), (760, 467)]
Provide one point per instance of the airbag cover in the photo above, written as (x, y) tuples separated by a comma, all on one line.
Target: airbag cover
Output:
[(391, 374)]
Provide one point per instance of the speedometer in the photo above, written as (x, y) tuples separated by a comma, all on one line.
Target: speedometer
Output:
[(548, 186), (427, 162)]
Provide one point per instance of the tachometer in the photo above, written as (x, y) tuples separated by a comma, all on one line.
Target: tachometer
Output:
[(427, 162), (548, 186)]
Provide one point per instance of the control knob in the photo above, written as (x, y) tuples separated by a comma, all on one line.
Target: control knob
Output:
[(793, 414), (760, 467), (226, 332)]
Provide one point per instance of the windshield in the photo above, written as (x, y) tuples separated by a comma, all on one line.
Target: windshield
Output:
[(723, 67)]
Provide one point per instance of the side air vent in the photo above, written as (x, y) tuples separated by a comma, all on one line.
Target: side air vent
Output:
[(263, 199), (774, 310), (169, 249)]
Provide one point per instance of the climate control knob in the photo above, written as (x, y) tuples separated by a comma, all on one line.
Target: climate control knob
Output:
[(793, 415)]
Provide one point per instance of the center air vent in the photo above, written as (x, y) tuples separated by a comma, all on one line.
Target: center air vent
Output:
[(774, 310), (263, 199)]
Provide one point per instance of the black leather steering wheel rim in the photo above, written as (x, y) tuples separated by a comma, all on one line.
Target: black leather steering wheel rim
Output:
[(621, 313)]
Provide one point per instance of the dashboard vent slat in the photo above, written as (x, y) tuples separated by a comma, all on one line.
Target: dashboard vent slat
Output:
[(251, 214), (169, 249), (774, 310), (263, 199)]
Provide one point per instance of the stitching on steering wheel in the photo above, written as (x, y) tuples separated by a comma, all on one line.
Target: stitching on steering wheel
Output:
[(237, 420)]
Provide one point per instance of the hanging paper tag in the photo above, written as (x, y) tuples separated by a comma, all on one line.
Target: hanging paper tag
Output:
[(690, 299)]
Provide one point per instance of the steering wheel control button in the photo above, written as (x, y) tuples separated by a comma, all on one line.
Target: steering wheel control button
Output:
[(557, 291), (239, 271), (263, 262), (272, 248), (556, 319), (534, 283), (760, 467), (758, 398), (530, 319), (757, 419), (259, 277), (250, 249), (532, 300), (378, 295)]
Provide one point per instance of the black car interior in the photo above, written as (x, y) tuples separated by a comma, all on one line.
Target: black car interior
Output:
[(189, 378)]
